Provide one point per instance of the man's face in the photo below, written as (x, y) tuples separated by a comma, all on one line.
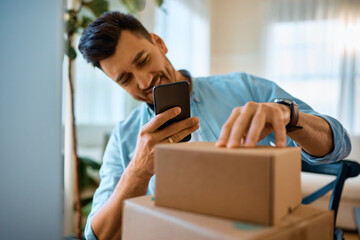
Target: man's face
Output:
[(138, 65)]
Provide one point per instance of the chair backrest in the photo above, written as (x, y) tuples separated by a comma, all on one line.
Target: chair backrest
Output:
[(355, 151), (342, 170)]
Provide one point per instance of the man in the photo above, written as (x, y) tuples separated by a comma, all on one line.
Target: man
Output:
[(231, 110)]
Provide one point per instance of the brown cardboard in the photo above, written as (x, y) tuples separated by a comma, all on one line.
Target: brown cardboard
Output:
[(258, 185), (143, 220)]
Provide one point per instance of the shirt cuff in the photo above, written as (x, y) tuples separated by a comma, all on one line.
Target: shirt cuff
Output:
[(89, 234)]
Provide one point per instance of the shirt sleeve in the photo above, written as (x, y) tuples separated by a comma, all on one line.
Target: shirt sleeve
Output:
[(110, 173), (266, 91)]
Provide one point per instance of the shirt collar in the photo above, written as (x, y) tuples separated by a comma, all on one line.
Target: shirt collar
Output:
[(186, 73)]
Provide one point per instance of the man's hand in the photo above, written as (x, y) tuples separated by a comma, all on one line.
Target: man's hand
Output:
[(249, 124), (142, 163), (135, 179)]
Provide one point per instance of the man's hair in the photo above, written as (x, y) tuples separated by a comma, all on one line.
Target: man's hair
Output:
[(100, 38)]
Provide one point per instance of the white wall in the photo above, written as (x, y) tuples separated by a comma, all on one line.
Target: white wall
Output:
[(31, 167), (236, 36)]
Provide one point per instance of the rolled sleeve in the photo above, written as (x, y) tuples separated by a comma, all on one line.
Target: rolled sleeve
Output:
[(103, 193), (342, 144), (110, 173), (89, 234), (267, 91), (117, 156)]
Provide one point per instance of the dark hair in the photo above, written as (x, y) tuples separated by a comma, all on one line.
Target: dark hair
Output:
[(100, 38)]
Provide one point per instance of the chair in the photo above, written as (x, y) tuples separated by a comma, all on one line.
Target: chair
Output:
[(342, 170), (357, 218)]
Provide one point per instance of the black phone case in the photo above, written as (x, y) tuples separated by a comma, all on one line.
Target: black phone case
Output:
[(170, 95)]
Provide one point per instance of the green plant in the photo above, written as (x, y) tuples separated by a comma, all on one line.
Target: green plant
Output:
[(88, 182), (76, 19)]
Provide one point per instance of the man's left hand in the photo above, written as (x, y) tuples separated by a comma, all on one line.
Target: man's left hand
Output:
[(249, 124)]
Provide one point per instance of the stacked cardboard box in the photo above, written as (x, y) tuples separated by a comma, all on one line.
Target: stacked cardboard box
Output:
[(145, 221), (260, 185), (252, 185)]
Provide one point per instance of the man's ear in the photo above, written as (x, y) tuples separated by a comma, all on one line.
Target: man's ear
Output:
[(158, 42)]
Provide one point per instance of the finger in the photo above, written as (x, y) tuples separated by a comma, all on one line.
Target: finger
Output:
[(279, 130), (256, 127), (161, 118), (240, 128), (226, 128), (176, 127), (182, 134)]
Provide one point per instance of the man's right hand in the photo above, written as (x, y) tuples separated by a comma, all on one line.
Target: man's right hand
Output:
[(134, 181), (142, 163)]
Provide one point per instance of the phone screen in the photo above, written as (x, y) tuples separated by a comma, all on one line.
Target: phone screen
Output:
[(171, 95)]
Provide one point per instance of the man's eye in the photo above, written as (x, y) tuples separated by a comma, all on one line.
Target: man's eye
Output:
[(125, 80), (143, 61)]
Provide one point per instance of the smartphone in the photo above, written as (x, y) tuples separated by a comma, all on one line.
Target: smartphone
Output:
[(171, 95)]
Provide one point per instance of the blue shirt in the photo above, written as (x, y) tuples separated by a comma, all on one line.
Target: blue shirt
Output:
[(213, 99)]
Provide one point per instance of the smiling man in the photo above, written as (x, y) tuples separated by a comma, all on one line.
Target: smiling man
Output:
[(232, 110)]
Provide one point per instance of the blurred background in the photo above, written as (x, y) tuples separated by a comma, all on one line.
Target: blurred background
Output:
[(310, 48)]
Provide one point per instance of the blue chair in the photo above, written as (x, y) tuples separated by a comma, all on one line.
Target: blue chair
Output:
[(342, 170)]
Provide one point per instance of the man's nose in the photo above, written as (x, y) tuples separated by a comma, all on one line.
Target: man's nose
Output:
[(144, 80)]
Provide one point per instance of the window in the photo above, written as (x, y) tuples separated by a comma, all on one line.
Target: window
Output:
[(314, 54), (184, 26)]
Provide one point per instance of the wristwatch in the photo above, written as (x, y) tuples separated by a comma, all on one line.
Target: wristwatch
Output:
[(294, 113)]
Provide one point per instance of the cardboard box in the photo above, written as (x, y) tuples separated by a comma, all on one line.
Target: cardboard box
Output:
[(258, 185), (143, 220)]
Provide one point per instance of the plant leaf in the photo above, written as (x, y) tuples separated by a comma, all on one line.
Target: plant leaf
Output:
[(129, 6), (90, 163), (86, 208), (85, 21), (71, 25), (139, 5), (86, 201), (134, 6), (98, 7), (69, 50), (159, 2), (85, 180)]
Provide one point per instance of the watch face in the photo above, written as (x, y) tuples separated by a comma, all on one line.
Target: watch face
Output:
[(284, 101)]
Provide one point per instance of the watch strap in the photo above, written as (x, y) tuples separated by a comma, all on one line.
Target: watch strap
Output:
[(294, 114)]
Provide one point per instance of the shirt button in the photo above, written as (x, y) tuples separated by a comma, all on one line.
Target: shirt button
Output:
[(197, 99)]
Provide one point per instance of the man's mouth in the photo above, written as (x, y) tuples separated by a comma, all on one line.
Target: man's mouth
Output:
[(157, 81)]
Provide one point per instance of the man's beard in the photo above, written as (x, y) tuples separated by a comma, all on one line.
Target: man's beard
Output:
[(160, 78)]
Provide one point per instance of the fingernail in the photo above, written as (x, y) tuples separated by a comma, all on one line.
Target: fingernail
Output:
[(249, 144), (231, 145), (220, 144), (195, 120), (177, 110)]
